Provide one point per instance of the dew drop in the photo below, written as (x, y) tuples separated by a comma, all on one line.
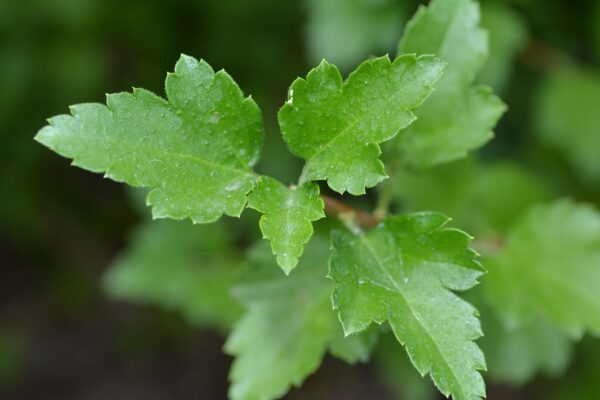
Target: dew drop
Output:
[(291, 99)]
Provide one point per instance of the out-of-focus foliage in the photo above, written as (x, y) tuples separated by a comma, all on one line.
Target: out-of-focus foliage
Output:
[(345, 31), (549, 266), (473, 192), (288, 325), (508, 36), (182, 267), (515, 355), (458, 117), (567, 119)]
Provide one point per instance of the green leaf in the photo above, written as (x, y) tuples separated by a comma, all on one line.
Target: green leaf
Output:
[(179, 266), (448, 189), (458, 117), (515, 356), (494, 181), (288, 325), (474, 193), (287, 217), (567, 119), (550, 267), (345, 32), (337, 126), (450, 29), (508, 37), (403, 272), (195, 150)]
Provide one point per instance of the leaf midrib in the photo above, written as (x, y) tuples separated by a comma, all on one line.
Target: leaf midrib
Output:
[(168, 154), (358, 118), (416, 315)]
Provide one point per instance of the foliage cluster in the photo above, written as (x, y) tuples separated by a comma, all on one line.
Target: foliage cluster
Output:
[(406, 127)]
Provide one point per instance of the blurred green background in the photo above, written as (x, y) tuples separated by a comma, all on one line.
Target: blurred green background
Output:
[(61, 335)]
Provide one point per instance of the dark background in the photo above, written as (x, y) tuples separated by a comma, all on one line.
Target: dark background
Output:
[(60, 227)]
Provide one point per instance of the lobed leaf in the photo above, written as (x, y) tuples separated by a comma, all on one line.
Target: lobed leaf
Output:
[(288, 326), (550, 267), (403, 272), (337, 126), (458, 117), (287, 217), (195, 150)]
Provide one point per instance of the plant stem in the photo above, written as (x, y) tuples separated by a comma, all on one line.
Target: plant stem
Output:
[(384, 200), (544, 57), (302, 177), (344, 212)]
